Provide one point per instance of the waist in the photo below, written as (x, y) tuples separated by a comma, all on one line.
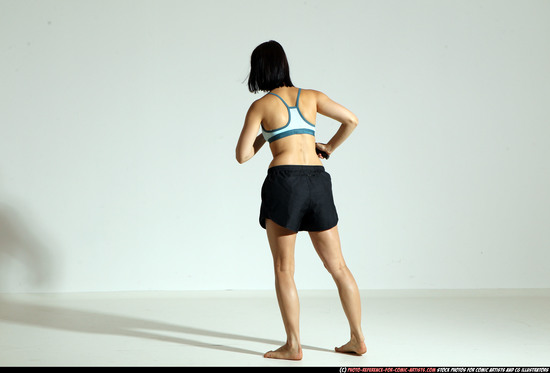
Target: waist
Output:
[(298, 150), (296, 169)]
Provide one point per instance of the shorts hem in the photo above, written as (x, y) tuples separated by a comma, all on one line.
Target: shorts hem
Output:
[(263, 224), (329, 226)]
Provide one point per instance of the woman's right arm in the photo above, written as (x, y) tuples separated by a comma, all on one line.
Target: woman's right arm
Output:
[(249, 141), (333, 110)]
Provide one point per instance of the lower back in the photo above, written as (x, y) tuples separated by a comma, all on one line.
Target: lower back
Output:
[(294, 150)]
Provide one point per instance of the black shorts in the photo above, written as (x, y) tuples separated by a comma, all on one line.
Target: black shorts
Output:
[(298, 198)]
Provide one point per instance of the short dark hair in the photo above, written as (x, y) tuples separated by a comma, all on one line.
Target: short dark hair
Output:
[(268, 68)]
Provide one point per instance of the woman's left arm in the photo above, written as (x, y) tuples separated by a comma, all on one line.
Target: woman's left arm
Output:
[(250, 142)]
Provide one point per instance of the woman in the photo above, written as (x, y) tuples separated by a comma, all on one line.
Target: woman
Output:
[(297, 192)]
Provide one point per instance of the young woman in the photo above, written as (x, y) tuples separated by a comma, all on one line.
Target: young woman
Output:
[(297, 192)]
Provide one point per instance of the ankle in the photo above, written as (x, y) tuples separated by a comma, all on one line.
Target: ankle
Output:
[(293, 344), (357, 338)]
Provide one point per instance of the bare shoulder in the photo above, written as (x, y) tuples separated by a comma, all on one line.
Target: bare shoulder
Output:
[(258, 104), (313, 97), (313, 94)]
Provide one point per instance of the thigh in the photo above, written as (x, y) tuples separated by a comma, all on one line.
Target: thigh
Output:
[(284, 197), (327, 245), (321, 214), (282, 242)]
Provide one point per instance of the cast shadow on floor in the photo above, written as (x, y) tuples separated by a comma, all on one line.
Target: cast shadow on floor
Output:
[(20, 243), (91, 322)]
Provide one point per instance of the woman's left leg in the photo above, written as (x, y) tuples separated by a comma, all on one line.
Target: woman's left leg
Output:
[(282, 242)]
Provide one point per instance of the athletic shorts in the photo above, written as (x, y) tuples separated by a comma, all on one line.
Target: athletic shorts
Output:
[(298, 198)]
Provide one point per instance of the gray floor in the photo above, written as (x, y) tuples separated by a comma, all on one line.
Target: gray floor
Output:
[(235, 328)]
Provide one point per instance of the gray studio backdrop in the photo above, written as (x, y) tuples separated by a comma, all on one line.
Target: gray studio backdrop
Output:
[(119, 119)]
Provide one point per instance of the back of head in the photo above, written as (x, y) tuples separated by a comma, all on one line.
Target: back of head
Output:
[(268, 68)]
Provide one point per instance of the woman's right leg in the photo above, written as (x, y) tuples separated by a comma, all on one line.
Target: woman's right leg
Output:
[(327, 245), (282, 242)]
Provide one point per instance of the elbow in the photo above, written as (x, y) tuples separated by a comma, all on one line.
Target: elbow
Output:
[(241, 158), (353, 122)]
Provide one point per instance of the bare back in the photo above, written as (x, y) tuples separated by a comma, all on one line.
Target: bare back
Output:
[(298, 149), (272, 114)]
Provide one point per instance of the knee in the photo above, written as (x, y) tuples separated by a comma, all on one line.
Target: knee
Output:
[(284, 269), (336, 268)]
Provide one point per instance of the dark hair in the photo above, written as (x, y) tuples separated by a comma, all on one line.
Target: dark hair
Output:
[(268, 68)]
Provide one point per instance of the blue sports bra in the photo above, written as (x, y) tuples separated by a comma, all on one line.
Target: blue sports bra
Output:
[(297, 124)]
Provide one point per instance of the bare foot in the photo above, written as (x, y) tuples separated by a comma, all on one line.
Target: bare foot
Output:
[(352, 347), (285, 352)]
